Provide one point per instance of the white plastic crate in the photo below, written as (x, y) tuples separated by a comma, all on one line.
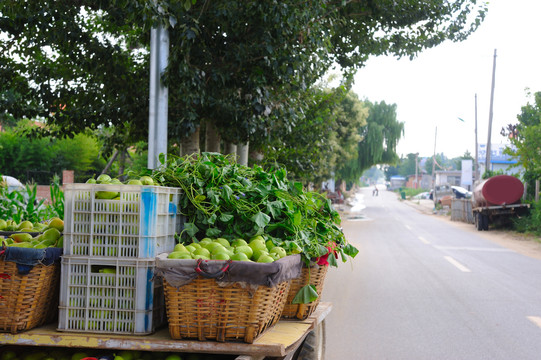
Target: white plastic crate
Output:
[(126, 301), (141, 223)]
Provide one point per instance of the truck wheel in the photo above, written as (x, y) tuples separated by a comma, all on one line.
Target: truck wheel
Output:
[(484, 222), (479, 221), (313, 347)]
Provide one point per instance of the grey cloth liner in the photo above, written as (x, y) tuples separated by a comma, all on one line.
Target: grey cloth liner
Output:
[(181, 272)]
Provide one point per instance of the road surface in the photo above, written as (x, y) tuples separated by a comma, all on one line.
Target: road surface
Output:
[(424, 288)]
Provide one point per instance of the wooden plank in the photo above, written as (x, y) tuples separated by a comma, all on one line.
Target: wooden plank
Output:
[(278, 341)]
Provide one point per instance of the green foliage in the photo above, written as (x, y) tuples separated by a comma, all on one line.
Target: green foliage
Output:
[(23, 205), (223, 199), (525, 136), (27, 158), (85, 64), (531, 223), (379, 139)]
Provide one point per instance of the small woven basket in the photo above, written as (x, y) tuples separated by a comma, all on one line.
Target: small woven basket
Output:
[(207, 310), (316, 276), (28, 301)]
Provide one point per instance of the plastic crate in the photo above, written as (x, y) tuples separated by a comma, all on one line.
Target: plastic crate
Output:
[(126, 301), (141, 224)]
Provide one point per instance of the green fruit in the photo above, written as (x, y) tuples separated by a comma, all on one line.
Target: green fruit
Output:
[(135, 182), (257, 238), (24, 244), (240, 257), (50, 236), (180, 248), (103, 179), (21, 237), (239, 242), (106, 195), (179, 255), (78, 356), (191, 248), (146, 180), (173, 357), (245, 249), (258, 253), (257, 245), (218, 248), (223, 241), (280, 251), (3, 224), (202, 257), (56, 223), (202, 251), (91, 181), (269, 244), (221, 256), (116, 182), (25, 225), (265, 259)]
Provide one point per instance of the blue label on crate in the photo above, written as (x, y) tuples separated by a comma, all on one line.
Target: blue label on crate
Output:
[(149, 201)]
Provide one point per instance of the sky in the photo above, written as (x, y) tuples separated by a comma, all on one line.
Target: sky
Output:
[(440, 85)]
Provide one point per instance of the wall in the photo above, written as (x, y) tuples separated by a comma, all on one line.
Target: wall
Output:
[(44, 191)]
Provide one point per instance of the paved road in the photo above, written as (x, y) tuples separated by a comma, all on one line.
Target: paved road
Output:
[(422, 288)]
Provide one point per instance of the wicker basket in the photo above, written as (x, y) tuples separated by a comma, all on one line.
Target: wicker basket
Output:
[(207, 310), (316, 276), (27, 301)]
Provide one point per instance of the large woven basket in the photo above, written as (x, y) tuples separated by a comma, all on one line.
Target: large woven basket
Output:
[(314, 275), (27, 301), (207, 310)]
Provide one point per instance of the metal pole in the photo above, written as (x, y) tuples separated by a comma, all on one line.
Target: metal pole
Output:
[(158, 96), (489, 150)]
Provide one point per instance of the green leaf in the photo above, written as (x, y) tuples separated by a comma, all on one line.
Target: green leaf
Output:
[(332, 260), (190, 229), (213, 232), (306, 295), (297, 218), (225, 218), (351, 250), (261, 219)]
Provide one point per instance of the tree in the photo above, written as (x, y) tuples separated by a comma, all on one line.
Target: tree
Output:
[(525, 136), (378, 141), (233, 63), (407, 165)]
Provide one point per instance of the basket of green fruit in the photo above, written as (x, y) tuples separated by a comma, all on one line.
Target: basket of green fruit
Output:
[(29, 284), (224, 300)]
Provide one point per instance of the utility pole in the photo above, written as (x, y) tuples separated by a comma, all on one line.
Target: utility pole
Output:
[(476, 165), (158, 96), (489, 147), (434, 169)]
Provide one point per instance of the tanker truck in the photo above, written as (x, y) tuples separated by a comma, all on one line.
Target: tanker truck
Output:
[(497, 200)]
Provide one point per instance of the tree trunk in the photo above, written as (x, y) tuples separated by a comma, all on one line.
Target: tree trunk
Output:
[(212, 138), (190, 144), (121, 163), (256, 155), (110, 162), (230, 149), (242, 150)]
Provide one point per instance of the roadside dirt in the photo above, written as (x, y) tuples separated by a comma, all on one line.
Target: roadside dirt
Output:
[(528, 245)]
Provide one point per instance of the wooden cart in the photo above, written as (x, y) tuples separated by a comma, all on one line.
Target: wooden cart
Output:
[(288, 339)]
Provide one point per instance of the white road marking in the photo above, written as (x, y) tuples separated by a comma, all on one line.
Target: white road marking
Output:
[(407, 227), (458, 265), (535, 319), (424, 241), (472, 248)]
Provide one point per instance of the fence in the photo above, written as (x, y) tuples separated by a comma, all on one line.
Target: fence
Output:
[(461, 210)]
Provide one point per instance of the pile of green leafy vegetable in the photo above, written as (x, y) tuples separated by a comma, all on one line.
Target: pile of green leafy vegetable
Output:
[(221, 198)]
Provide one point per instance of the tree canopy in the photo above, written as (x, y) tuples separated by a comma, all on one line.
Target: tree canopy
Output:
[(246, 66)]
